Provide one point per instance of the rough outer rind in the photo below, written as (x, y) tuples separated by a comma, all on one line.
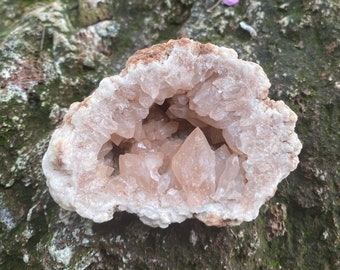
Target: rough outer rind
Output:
[(259, 134)]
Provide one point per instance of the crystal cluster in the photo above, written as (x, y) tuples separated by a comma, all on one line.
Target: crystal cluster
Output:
[(186, 130)]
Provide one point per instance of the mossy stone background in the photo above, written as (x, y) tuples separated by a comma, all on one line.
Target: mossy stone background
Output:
[(53, 53)]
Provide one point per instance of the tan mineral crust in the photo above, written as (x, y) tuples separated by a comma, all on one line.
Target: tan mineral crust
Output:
[(186, 130)]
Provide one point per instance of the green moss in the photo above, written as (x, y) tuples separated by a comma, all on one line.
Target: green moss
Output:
[(12, 12)]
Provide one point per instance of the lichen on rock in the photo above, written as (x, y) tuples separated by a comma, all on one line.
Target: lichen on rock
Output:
[(186, 130)]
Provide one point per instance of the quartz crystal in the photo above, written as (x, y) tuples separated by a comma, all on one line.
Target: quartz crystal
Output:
[(185, 130)]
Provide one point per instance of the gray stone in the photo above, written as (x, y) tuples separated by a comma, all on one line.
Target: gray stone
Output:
[(43, 66)]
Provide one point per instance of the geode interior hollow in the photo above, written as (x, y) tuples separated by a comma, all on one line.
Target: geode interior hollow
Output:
[(186, 130)]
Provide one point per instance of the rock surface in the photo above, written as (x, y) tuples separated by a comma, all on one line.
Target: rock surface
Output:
[(49, 59), (137, 143)]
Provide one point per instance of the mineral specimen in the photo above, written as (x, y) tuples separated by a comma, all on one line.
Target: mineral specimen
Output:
[(186, 130)]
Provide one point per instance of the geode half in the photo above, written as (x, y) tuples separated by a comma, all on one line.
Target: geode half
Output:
[(186, 130)]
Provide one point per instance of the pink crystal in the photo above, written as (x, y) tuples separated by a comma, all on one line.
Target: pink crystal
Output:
[(194, 167), (186, 130)]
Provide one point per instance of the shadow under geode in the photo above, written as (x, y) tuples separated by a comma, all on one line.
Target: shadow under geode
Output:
[(123, 222)]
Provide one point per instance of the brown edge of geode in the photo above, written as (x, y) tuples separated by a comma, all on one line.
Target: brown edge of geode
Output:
[(160, 52)]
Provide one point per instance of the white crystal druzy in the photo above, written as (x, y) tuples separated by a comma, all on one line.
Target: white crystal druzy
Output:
[(186, 130)]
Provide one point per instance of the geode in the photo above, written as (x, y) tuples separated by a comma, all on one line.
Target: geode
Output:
[(186, 130)]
